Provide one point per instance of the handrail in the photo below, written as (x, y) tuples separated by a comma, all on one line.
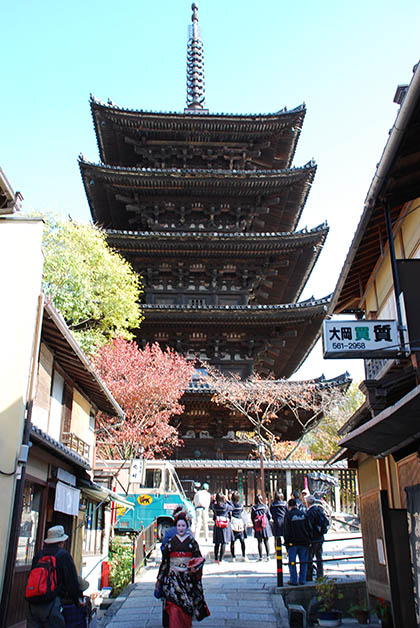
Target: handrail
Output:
[(143, 543), (279, 555)]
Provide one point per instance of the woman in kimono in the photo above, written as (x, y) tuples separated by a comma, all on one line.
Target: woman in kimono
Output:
[(179, 579), (238, 523), (260, 517), (222, 531)]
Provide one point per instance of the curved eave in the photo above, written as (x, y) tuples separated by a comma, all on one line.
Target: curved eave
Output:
[(111, 123), (396, 181), (176, 182), (214, 241), (237, 313), (75, 364)]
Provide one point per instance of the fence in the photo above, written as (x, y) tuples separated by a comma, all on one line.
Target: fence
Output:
[(143, 543), (279, 556)]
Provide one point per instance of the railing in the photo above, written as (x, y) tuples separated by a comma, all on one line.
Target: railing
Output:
[(76, 444), (279, 556), (143, 543)]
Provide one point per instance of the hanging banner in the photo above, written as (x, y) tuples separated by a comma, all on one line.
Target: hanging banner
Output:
[(360, 339), (67, 499)]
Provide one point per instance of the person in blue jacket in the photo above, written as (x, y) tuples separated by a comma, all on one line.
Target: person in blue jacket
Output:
[(297, 537)]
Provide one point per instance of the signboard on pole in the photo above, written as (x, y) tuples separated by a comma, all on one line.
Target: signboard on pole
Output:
[(136, 470), (360, 339)]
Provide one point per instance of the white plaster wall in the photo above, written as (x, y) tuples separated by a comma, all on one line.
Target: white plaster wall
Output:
[(21, 264)]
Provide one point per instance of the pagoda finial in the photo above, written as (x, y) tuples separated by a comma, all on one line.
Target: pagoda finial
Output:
[(195, 65)]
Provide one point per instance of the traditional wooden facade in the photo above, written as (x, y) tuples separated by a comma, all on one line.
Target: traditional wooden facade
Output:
[(205, 207), (382, 439)]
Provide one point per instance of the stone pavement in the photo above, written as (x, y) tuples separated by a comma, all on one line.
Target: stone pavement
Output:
[(238, 594)]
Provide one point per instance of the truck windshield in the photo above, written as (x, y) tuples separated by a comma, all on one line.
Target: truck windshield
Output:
[(175, 480), (153, 478)]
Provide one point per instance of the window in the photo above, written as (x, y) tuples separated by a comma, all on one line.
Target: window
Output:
[(94, 528), (197, 302), (29, 524), (153, 478)]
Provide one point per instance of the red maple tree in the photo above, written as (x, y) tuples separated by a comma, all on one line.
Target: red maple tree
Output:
[(148, 384)]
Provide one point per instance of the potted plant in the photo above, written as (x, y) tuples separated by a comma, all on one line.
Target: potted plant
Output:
[(384, 612), (328, 594), (361, 613)]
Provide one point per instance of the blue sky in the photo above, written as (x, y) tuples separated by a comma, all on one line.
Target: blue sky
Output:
[(344, 60)]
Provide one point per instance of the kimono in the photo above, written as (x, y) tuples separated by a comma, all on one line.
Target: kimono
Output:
[(181, 588)]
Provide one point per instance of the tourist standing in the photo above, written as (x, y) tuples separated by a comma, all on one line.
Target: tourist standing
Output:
[(238, 524), (278, 511), (43, 613), (319, 525), (297, 538), (260, 517), (222, 531), (201, 502)]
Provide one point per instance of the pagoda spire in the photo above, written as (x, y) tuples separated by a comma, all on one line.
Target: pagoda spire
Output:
[(195, 65)]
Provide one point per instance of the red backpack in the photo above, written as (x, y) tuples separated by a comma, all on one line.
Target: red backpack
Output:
[(42, 580), (260, 522)]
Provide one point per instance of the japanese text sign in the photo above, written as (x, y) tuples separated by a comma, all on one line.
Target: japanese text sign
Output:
[(360, 339)]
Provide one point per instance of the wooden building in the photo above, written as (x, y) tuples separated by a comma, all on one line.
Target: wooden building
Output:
[(380, 280), (205, 207)]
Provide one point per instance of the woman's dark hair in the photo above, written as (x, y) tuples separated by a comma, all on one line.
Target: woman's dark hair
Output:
[(291, 503), (236, 498), (220, 498), (181, 517)]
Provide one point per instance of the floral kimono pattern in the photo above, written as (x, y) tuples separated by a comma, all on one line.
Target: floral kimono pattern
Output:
[(180, 586)]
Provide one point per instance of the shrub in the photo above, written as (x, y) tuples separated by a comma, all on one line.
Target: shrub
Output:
[(120, 560)]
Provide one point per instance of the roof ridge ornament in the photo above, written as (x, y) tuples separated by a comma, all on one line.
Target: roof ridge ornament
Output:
[(195, 66)]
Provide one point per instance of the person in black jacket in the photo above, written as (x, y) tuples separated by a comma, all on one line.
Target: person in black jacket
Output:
[(297, 537), (222, 531), (278, 511), (260, 517), (48, 614), (314, 515), (238, 525)]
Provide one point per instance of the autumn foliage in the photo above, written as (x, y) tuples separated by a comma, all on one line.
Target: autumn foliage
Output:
[(148, 384), (266, 402)]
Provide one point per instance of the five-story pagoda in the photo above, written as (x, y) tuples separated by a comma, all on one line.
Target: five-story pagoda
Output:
[(205, 207)]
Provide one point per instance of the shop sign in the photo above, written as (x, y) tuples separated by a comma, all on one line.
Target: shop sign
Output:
[(360, 339)]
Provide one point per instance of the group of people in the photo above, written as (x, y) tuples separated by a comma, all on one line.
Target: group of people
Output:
[(301, 522)]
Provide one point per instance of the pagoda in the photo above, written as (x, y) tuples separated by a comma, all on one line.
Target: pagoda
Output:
[(205, 207)]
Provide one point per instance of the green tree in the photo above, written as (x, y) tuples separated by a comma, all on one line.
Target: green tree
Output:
[(94, 288), (322, 441)]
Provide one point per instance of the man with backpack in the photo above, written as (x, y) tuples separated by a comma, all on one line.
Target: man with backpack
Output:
[(53, 575), (319, 524)]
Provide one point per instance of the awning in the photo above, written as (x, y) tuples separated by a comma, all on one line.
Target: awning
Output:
[(394, 428), (97, 492)]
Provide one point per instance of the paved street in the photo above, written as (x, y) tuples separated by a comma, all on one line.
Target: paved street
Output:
[(239, 594)]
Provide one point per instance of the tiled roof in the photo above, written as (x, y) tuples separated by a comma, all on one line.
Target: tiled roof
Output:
[(197, 385), (197, 174), (255, 464), (57, 448), (247, 309), (252, 117), (285, 238)]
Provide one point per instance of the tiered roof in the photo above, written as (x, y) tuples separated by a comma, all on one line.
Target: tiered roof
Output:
[(206, 205)]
